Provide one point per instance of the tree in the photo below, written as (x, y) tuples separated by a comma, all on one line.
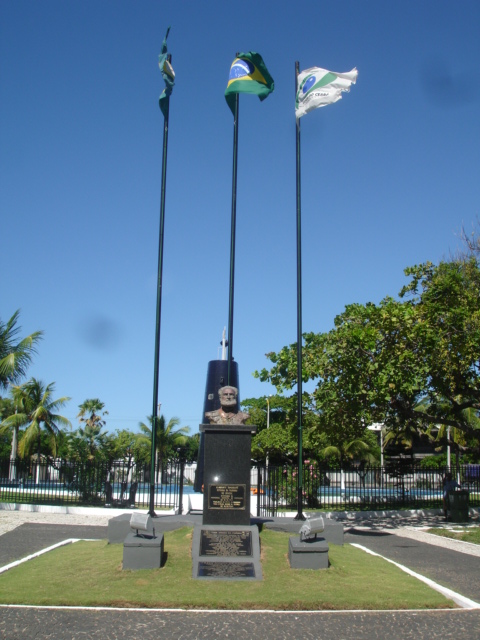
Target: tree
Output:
[(36, 410), (167, 437), (89, 441), (357, 367), (88, 444), (364, 450), (6, 409), (278, 442), (91, 413), (380, 362), (448, 311), (15, 355), (191, 448)]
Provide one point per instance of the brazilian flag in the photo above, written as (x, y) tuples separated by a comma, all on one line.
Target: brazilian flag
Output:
[(248, 74)]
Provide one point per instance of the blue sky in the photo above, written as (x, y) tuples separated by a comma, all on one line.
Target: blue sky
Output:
[(389, 176)]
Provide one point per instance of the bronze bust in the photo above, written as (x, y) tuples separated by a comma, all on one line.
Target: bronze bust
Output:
[(227, 414)]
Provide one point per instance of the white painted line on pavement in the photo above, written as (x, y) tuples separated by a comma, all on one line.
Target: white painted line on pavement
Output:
[(40, 553), (277, 612), (462, 601)]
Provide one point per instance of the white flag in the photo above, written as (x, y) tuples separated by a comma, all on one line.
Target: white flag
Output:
[(319, 87)]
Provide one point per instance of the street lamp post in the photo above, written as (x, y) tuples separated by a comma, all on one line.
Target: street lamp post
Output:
[(268, 425), (378, 426), (449, 459), (267, 461)]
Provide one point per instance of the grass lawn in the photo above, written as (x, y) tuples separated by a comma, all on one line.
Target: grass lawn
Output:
[(467, 534), (90, 574)]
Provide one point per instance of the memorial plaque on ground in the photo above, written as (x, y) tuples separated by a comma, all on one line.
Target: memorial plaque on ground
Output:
[(225, 543), (230, 552), (226, 570)]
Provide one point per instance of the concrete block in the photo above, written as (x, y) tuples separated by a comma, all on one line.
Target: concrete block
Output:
[(311, 554), (140, 552)]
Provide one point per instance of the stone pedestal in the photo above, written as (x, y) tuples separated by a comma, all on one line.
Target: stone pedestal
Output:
[(310, 554), (229, 552), (226, 546), (226, 477), (142, 552)]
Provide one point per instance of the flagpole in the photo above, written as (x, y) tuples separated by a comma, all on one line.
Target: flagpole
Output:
[(299, 515), (151, 509), (232, 241)]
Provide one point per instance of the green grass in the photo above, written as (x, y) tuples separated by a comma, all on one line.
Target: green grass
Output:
[(90, 574), (466, 535)]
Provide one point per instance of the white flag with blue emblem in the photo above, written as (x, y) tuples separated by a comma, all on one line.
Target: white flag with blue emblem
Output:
[(319, 87)]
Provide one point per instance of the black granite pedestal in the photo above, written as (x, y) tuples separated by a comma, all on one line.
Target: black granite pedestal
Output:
[(226, 546), (226, 476)]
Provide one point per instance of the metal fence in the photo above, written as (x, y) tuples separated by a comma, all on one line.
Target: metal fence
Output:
[(118, 484), (127, 484), (396, 486)]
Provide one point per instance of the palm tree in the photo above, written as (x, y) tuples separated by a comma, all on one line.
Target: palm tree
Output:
[(166, 439), (94, 408), (91, 415), (36, 408), (454, 437), (15, 356), (14, 360), (357, 449), (88, 442)]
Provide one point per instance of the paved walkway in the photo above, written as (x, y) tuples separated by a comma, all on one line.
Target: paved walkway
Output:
[(455, 565)]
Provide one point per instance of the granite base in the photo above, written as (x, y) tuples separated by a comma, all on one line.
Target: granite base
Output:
[(142, 552), (310, 554)]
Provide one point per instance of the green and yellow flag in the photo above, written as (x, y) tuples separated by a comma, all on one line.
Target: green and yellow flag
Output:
[(248, 74), (168, 75)]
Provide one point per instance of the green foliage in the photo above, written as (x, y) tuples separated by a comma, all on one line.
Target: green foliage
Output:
[(122, 445), (410, 364), (434, 462), (280, 440), (470, 535), (168, 438), (89, 443), (15, 355), (35, 410), (190, 449)]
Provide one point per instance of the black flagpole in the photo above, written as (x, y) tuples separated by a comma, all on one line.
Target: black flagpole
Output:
[(232, 242), (299, 515), (151, 509)]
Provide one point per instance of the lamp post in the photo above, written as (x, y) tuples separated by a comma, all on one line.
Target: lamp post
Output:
[(449, 461), (268, 419), (378, 426), (182, 460), (268, 425)]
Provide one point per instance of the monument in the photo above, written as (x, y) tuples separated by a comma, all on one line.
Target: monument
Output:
[(227, 454), (226, 546)]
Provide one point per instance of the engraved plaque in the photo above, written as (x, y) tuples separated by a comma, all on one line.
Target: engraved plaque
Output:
[(227, 496), (226, 570), (225, 543)]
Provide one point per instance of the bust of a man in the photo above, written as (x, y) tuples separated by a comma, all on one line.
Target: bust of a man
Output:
[(227, 414)]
